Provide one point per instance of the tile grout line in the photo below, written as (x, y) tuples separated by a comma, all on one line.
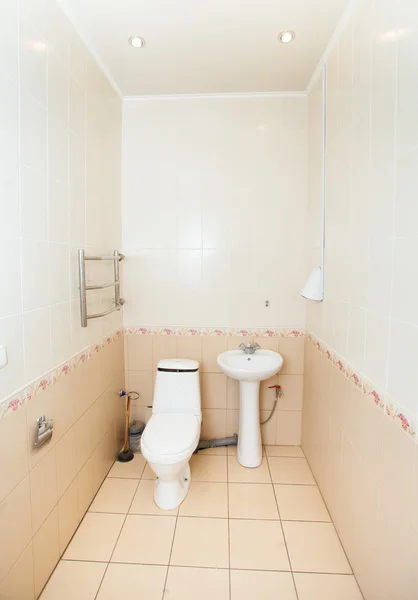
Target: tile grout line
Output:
[(283, 533), (335, 529), (172, 543), (229, 531), (117, 540)]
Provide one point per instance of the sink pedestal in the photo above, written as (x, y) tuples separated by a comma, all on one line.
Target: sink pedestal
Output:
[(249, 451)]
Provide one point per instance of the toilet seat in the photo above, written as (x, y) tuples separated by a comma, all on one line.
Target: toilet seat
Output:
[(170, 437)]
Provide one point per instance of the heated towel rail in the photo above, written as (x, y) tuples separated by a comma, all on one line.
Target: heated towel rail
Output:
[(117, 257)]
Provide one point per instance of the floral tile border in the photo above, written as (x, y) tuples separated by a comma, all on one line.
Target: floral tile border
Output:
[(216, 331), (405, 421), (18, 399)]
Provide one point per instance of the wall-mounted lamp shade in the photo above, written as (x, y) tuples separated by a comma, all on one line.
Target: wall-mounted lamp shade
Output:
[(314, 287)]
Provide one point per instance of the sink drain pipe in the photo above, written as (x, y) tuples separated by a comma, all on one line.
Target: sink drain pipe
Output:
[(233, 441), (226, 441)]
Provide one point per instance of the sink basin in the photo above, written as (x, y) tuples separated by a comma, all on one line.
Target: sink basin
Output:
[(250, 369)]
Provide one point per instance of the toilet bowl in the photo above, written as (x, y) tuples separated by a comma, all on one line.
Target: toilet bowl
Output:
[(173, 431)]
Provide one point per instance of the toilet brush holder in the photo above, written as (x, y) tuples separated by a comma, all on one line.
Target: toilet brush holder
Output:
[(127, 455)]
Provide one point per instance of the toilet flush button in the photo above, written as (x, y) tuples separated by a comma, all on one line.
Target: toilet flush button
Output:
[(3, 357)]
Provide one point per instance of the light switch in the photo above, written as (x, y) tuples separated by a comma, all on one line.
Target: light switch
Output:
[(3, 357)]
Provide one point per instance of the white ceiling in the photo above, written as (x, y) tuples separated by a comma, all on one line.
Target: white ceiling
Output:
[(207, 46)]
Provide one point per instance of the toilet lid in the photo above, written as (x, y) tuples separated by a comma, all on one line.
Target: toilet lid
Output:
[(170, 433)]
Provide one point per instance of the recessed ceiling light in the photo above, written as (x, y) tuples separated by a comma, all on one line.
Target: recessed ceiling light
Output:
[(136, 41), (286, 36)]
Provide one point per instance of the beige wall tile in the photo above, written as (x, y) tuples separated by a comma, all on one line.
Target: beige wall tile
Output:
[(83, 393), (143, 383), (292, 350), (289, 427), (68, 518), (234, 341), (190, 346), (267, 343), (213, 423), (232, 422), (267, 394), (83, 434), (211, 347), (268, 430), (19, 581), (45, 550), (292, 392), (64, 403), (40, 404), (213, 390), (96, 384), (164, 346), (15, 525), (14, 446), (85, 486), (65, 460), (232, 393), (43, 489), (139, 352)]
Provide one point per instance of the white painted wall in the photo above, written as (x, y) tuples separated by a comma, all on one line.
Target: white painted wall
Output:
[(214, 209)]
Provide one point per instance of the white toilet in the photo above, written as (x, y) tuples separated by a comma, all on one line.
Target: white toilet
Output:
[(173, 431)]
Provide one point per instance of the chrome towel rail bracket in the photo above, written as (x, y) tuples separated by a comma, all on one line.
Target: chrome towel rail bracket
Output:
[(118, 301)]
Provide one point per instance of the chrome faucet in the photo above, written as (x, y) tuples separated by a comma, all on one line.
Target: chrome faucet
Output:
[(249, 348)]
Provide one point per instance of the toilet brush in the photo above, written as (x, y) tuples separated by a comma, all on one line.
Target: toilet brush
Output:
[(126, 455)]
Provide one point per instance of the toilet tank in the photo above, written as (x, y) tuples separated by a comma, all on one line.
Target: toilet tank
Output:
[(177, 387)]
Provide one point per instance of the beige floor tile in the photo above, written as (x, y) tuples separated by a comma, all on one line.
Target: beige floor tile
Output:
[(289, 451), (130, 470), (208, 468), (201, 543), (290, 470), (327, 587), (148, 473), (206, 499), (115, 496), (252, 501), (133, 581), (186, 583), (257, 545), (315, 548), (232, 450), (301, 503), (74, 579), (221, 451), (266, 585), (239, 474), (145, 539), (95, 538), (143, 502)]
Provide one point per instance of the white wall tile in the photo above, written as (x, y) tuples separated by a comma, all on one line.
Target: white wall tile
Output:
[(242, 202), (369, 311), (11, 296), (41, 162), (11, 334), (32, 62), (34, 274), (33, 200), (37, 342)]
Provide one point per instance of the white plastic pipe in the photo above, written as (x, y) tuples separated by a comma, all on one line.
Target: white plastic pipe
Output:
[(314, 287)]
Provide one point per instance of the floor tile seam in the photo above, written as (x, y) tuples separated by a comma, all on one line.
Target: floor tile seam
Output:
[(171, 552), (142, 564), (335, 529), (229, 531), (116, 542), (284, 537)]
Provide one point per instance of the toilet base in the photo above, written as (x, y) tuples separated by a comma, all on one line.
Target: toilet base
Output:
[(171, 485)]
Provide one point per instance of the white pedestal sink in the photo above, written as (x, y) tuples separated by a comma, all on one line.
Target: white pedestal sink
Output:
[(250, 369)]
